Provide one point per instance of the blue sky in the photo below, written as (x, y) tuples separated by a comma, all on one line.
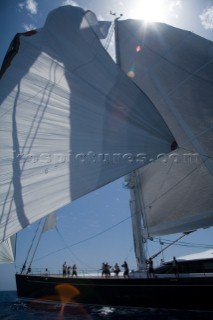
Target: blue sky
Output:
[(97, 227)]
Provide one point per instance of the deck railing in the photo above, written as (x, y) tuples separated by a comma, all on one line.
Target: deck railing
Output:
[(58, 273)]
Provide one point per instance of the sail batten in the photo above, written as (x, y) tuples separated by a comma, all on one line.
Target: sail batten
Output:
[(71, 120)]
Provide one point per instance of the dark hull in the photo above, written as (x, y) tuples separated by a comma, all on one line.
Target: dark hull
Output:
[(171, 293)]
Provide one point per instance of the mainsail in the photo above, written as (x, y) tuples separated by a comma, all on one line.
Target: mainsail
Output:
[(71, 121), (174, 68)]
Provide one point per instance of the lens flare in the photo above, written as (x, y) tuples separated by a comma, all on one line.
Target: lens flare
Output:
[(138, 48), (66, 292), (131, 72)]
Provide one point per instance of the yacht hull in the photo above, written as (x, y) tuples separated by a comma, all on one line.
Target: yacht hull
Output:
[(194, 293)]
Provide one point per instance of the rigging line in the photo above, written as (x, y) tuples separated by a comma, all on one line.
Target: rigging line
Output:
[(89, 238), (197, 244), (37, 243), (72, 253), (189, 243), (169, 245), (127, 256), (25, 262)]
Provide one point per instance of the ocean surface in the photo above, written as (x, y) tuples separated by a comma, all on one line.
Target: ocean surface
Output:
[(12, 308)]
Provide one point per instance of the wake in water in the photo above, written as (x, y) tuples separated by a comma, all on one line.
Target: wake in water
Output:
[(12, 308)]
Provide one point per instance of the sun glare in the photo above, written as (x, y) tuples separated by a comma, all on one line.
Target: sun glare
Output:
[(149, 10)]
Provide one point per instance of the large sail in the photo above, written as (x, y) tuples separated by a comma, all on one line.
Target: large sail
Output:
[(174, 68), (71, 121)]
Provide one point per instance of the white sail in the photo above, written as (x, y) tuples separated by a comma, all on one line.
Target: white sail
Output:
[(71, 121), (176, 196), (8, 250), (50, 222), (175, 69)]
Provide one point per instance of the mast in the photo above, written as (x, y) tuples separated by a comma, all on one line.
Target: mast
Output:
[(135, 202), (111, 31), (137, 220), (117, 55)]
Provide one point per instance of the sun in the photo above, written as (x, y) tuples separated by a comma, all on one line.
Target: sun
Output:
[(149, 10)]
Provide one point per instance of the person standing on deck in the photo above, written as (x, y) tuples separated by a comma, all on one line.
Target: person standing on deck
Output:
[(126, 269), (68, 271), (151, 269), (175, 267), (116, 270), (64, 269), (74, 270)]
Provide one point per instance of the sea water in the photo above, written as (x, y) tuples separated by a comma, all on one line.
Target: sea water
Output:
[(12, 308)]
